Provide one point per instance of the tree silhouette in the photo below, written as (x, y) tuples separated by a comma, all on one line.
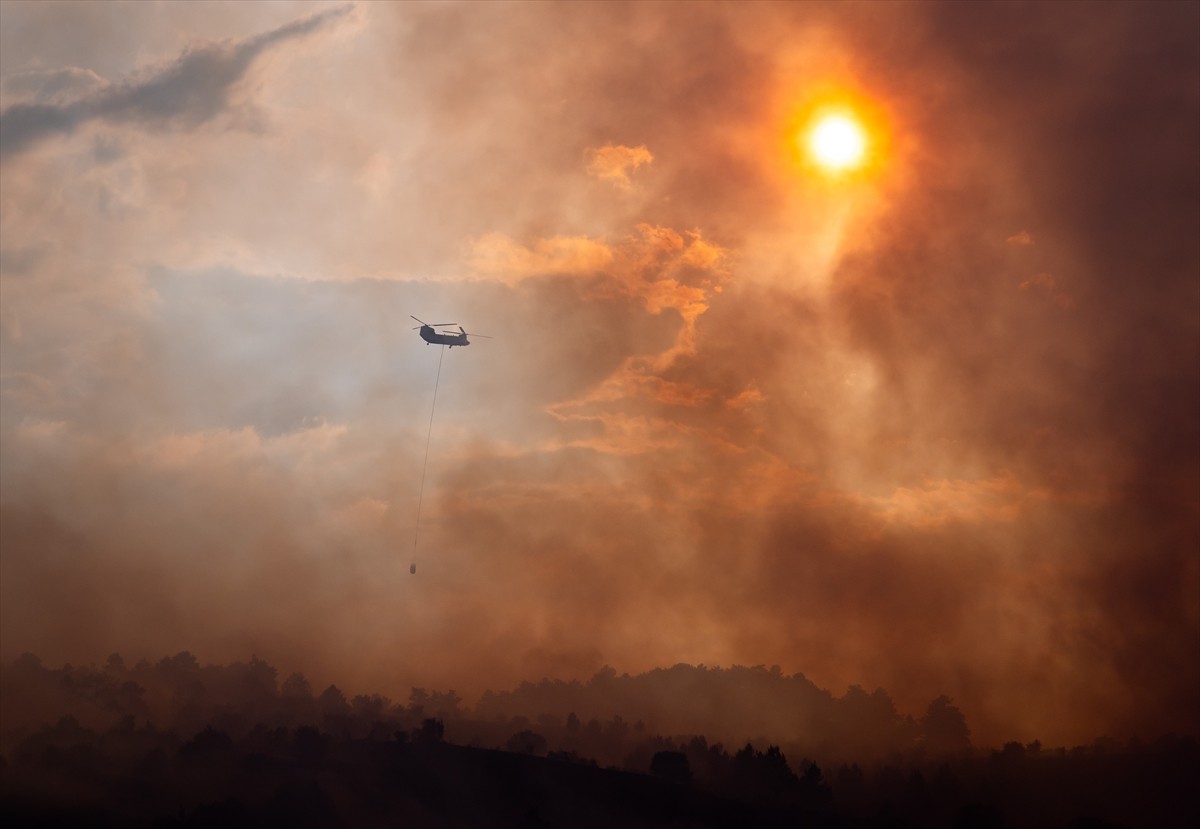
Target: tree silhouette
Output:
[(431, 731), (333, 701), (445, 705), (814, 791), (296, 686), (418, 701), (944, 728)]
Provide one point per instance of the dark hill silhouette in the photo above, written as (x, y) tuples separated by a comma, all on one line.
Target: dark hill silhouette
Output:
[(366, 783), (174, 743), (725, 704)]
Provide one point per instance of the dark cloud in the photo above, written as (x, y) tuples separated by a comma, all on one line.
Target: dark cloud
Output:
[(53, 86), (191, 91)]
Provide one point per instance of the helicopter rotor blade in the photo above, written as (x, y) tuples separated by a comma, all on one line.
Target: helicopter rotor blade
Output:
[(433, 325), (484, 336)]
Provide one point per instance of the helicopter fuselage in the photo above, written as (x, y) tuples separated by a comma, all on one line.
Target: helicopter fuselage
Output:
[(430, 335)]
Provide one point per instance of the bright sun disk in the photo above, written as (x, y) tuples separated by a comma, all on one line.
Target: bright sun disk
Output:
[(837, 143)]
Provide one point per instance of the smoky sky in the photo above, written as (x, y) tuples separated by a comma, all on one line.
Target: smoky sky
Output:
[(190, 92), (933, 427)]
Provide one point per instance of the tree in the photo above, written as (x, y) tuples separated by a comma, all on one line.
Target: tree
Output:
[(297, 706), (445, 705), (296, 687), (944, 728), (370, 708), (814, 791), (418, 699), (333, 702), (431, 731), (671, 766), (180, 665)]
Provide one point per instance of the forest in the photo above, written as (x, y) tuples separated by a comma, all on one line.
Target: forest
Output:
[(174, 743)]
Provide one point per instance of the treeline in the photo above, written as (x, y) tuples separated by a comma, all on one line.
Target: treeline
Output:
[(66, 774), (178, 694), (235, 744), (601, 717), (740, 703)]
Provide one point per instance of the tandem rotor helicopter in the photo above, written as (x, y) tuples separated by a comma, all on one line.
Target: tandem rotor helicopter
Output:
[(430, 334)]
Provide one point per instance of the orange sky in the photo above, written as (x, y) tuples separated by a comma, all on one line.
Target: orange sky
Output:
[(930, 425)]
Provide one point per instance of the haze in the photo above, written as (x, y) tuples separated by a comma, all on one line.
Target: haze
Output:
[(931, 427)]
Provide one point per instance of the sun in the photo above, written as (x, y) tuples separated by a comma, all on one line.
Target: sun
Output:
[(836, 137), (837, 142)]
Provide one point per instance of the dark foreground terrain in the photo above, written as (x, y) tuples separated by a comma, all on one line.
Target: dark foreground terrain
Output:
[(178, 744), (367, 784), (66, 776)]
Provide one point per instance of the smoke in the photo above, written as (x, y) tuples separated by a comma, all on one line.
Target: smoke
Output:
[(933, 428), (192, 91)]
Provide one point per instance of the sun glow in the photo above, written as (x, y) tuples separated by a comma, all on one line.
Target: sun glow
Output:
[(837, 135), (837, 142)]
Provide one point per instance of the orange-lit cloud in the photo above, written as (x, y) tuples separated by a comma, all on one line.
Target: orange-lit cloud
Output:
[(994, 499), (614, 162), (497, 255)]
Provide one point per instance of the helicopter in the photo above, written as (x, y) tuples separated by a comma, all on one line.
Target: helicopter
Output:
[(430, 335)]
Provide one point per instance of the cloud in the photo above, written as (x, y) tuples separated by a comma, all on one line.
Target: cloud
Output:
[(52, 87), (495, 254), (614, 162), (191, 91), (939, 502)]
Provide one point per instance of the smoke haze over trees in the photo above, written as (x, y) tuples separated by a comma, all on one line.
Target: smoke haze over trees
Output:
[(235, 743), (598, 717)]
